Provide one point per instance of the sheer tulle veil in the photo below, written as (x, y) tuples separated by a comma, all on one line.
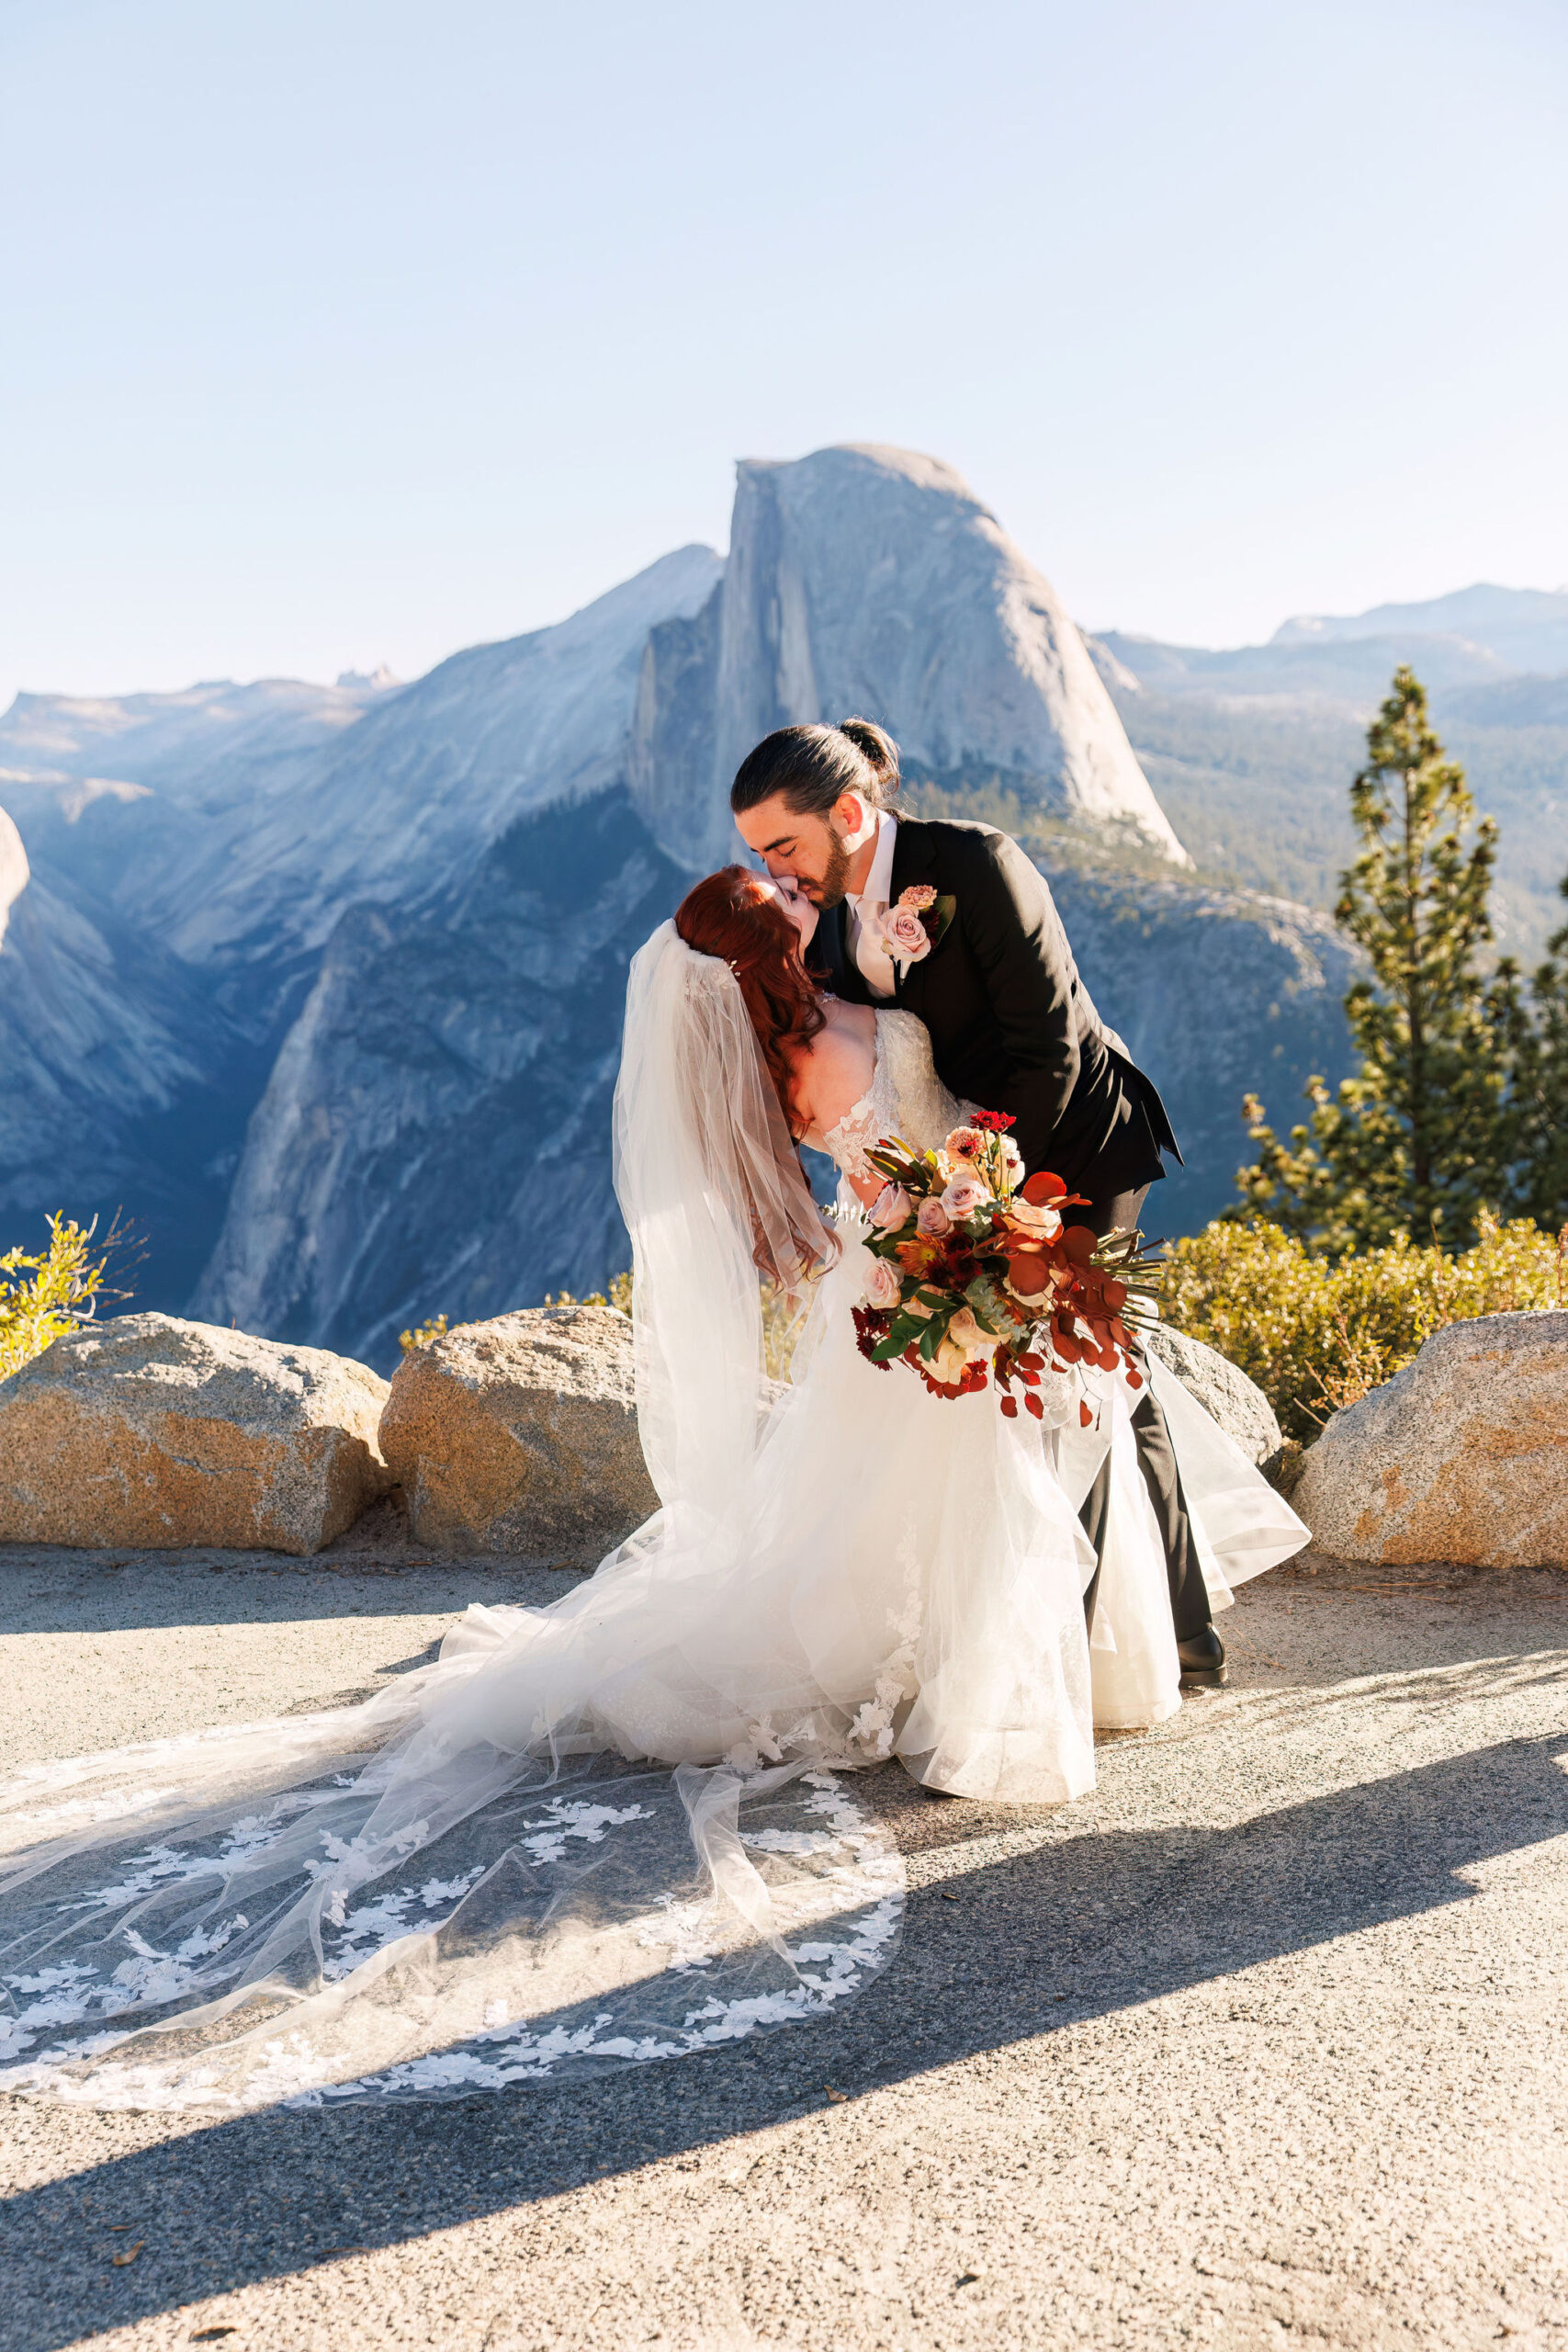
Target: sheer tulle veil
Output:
[(713, 1191), (612, 1828), (538, 1856)]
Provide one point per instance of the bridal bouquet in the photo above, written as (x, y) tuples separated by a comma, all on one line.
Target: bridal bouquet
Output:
[(975, 1278)]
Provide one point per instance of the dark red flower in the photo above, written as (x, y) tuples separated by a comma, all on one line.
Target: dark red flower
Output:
[(992, 1123), (872, 1324)]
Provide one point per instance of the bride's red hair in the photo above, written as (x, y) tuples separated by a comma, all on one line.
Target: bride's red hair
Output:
[(734, 914)]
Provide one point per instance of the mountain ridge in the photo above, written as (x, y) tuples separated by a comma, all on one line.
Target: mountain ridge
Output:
[(1252, 749), (325, 983)]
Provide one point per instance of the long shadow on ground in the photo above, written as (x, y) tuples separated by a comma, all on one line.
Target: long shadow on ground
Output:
[(1076, 1929), (48, 1590)]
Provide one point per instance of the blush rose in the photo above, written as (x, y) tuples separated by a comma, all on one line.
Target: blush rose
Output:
[(882, 1286), (905, 936), (965, 1332), (964, 1197), (890, 1209), (1038, 1219)]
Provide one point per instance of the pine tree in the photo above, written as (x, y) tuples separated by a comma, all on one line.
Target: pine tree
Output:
[(1540, 1092), (1423, 1135)]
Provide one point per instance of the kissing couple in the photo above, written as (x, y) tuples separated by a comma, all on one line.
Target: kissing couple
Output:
[(616, 1828)]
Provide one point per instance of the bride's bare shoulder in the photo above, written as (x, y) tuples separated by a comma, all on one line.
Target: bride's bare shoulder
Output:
[(837, 1067)]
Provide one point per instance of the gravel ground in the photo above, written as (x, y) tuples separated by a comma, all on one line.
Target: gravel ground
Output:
[(1262, 2044)]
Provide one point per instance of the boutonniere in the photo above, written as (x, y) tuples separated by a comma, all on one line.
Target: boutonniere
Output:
[(912, 928)]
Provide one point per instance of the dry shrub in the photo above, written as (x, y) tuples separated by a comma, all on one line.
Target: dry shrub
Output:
[(1316, 1333), (47, 1293), (616, 1293)]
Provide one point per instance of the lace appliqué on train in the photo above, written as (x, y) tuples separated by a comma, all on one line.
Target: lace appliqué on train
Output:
[(556, 1931), (876, 1725)]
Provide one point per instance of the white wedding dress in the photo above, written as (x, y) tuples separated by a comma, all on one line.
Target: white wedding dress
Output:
[(618, 1828)]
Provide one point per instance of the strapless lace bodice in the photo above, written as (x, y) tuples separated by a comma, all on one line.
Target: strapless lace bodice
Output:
[(905, 1098)]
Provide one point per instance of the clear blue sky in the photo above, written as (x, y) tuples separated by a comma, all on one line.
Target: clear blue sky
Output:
[(347, 331)]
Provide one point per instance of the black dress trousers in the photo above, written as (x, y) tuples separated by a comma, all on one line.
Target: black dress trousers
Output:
[(1157, 1459)]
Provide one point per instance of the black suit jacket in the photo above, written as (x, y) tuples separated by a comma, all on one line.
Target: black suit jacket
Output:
[(1012, 1026)]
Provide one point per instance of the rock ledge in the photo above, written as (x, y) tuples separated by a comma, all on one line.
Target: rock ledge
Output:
[(1461, 1457), (519, 1436), (149, 1432)]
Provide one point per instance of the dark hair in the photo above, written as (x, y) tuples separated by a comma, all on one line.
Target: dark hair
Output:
[(735, 914), (811, 767)]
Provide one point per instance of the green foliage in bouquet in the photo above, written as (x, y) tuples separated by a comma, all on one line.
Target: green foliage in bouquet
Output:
[(1316, 1333), (977, 1279)]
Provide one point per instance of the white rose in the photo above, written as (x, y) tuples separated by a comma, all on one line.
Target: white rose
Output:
[(947, 1365), (1036, 1218)]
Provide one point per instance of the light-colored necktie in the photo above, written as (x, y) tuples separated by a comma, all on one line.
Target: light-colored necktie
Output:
[(874, 963)]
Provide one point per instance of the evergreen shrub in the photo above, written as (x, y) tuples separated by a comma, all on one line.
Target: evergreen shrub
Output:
[(1317, 1333)]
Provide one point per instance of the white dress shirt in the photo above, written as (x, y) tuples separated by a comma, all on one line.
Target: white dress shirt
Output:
[(862, 936)]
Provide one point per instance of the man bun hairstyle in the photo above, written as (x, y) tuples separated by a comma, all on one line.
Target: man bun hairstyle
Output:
[(811, 767)]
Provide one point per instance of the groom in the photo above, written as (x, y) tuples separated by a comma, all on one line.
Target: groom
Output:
[(989, 971)]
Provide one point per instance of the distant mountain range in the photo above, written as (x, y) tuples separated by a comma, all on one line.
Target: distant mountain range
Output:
[(1511, 628), (323, 984), (1250, 751)]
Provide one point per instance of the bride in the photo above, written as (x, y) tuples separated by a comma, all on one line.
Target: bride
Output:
[(614, 1828)]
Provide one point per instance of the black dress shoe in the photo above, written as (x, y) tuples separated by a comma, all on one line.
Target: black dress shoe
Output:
[(1203, 1660)]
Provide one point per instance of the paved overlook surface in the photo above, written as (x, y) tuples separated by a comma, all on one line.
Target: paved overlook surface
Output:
[(1263, 2044)]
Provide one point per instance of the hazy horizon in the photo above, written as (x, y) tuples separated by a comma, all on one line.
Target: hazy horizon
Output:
[(368, 669)]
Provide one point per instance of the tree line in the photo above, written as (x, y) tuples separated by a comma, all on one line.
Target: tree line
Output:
[(1458, 1111)]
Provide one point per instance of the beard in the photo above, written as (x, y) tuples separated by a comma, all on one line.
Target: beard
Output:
[(828, 891)]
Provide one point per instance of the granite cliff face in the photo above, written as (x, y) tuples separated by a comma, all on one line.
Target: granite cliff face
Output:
[(435, 1133), (323, 984), (873, 580), (194, 855)]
